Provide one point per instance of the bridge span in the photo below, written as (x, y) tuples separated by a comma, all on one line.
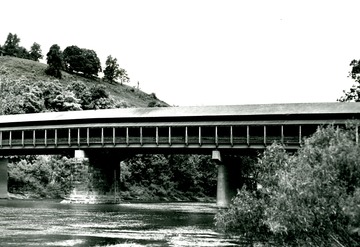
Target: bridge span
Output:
[(205, 129), (181, 129)]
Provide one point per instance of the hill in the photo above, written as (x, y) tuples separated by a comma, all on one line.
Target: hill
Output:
[(12, 68)]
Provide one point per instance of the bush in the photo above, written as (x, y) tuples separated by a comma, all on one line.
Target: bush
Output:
[(41, 176), (309, 198)]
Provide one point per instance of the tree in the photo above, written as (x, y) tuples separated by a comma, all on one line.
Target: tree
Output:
[(35, 52), (22, 52), (54, 61), (11, 46), (92, 65), (353, 95), (112, 71), (73, 59), (124, 78), (81, 61)]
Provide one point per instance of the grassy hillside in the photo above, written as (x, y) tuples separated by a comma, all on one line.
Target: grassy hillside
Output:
[(15, 68)]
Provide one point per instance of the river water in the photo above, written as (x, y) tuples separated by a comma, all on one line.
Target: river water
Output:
[(49, 223)]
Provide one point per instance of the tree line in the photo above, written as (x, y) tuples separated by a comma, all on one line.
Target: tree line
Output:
[(73, 59)]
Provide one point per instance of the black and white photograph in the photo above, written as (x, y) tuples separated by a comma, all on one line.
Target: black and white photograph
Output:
[(168, 123)]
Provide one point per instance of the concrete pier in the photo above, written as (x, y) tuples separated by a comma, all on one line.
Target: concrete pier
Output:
[(229, 178), (3, 178), (98, 178), (223, 194)]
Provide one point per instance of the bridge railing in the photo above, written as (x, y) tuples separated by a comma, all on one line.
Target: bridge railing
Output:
[(221, 136)]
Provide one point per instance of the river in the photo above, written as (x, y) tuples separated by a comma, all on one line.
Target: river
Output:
[(49, 223)]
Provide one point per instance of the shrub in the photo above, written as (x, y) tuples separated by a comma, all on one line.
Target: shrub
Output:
[(309, 198)]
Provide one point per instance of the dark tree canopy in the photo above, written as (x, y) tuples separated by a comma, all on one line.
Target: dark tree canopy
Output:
[(22, 52), (112, 71), (11, 46), (80, 60), (72, 58), (55, 62), (35, 52)]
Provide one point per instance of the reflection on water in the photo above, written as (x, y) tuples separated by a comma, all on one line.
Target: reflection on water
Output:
[(48, 223)]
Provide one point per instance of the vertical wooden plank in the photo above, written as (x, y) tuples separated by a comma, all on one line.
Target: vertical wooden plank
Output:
[(45, 137), (248, 135), (1, 138), (141, 136), (200, 135), (56, 140), (22, 138), (186, 136), (127, 136), (114, 136), (78, 137), (170, 135), (265, 135), (69, 137), (88, 136), (216, 136), (300, 137), (102, 136), (10, 138), (34, 138), (157, 136), (282, 134), (231, 136)]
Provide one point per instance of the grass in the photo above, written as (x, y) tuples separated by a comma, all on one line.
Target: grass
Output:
[(12, 68)]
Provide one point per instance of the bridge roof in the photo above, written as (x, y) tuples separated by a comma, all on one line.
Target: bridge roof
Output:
[(189, 111)]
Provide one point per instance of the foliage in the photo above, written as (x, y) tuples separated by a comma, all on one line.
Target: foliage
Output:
[(112, 71), (11, 45), (12, 48), (20, 97), (353, 95), (308, 198), (124, 78), (54, 61), (35, 52), (81, 61), (24, 96), (172, 177), (22, 52), (91, 98), (46, 176)]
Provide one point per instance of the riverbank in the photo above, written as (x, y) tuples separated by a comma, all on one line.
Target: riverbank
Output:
[(104, 200)]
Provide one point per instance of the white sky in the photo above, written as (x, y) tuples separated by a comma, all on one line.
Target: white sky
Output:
[(205, 52)]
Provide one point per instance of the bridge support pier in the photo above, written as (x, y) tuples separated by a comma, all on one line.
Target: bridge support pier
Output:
[(3, 178), (96, 178), (228, 179)]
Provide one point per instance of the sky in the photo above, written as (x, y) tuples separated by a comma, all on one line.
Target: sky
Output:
[(205, 52)]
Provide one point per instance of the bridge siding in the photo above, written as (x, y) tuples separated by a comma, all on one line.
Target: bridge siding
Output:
[(206, 137)]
